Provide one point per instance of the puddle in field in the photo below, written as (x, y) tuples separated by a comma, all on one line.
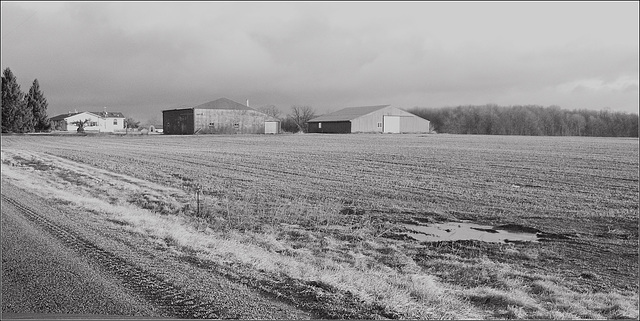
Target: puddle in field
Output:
[(456, 231)]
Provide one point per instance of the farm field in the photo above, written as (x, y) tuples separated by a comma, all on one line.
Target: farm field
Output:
[(333, 210)]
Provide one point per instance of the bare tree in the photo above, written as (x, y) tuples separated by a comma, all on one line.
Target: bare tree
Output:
[(301, 115), (80, 124), (131, 123), (271, 110)]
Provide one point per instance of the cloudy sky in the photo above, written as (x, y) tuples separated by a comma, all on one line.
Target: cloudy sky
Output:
[(142, 57)]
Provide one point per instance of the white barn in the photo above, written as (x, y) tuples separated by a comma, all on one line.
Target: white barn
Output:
[(369, 119)]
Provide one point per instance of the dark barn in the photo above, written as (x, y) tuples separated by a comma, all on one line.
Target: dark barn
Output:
[(221, 116), (178, 121)]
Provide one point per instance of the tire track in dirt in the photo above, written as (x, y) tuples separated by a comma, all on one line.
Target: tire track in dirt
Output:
[(96, 182), (159, 292)]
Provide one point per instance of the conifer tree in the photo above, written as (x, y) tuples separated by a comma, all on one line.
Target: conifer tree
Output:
[(37, 103), (13, 106), (24, 118)]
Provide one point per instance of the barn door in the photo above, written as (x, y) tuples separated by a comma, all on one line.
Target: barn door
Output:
[(391, 124)]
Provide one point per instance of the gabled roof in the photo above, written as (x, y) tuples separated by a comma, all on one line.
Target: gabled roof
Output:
[(223, 103), (349, 113), (108, 115), (63, 116), (99, 114)]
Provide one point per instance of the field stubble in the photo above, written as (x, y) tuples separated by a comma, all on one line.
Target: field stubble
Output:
[(327, 209)]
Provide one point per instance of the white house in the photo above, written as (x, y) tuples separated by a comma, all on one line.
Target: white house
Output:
[(102, 122)]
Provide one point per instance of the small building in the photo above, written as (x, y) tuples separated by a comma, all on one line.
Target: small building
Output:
[(369, 119), (272, 127), (102, 122), (221, 116), (155, 128)]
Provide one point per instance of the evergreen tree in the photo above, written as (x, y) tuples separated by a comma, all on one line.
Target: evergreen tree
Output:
[(37, 103), (13, 106), (24, 118)]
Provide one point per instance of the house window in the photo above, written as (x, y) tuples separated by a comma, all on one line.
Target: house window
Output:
[(115, 121), (319, 125), (379, 125), (93, 123)]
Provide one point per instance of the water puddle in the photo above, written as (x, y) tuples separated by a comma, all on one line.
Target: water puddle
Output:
[(456, 231)]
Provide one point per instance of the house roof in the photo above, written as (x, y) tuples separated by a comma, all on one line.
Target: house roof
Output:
[(108, 115), (223, 103), (99, 114), (63, 116), (349, 113)]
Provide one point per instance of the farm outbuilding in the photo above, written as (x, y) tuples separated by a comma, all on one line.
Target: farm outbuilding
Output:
[(221, 116), (381, 119)]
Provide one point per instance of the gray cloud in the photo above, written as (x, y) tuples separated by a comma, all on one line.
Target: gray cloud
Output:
[(141, 58)]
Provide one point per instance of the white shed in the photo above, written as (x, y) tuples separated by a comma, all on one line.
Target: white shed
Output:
[(271, 127)]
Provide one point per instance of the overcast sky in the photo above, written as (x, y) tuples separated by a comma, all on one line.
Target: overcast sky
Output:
[(140, 58)]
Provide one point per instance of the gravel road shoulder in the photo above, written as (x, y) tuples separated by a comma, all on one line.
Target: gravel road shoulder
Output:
[(161, 273)]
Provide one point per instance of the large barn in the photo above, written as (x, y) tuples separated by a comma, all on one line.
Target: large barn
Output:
[(221, 116), (381, 119)]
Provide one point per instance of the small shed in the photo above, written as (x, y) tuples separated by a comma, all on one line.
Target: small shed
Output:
[(221, 116), (369, 119), (155, 128), (272, 127)]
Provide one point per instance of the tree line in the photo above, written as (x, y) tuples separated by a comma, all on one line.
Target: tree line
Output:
[(530, 120), (28, 113), (22, 113)]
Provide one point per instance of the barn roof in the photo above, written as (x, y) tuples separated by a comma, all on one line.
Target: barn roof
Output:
[(223, 103), (349, 113)]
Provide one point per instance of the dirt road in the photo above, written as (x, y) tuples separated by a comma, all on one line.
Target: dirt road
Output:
[(41, 276), (55, 266)]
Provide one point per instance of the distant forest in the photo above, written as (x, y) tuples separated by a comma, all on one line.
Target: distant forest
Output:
[(529, 120)]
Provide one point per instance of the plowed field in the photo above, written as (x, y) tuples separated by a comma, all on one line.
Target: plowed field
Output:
[(346, 198)]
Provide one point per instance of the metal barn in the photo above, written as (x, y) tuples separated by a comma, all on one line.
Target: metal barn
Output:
[(369, 119), (221, 116)]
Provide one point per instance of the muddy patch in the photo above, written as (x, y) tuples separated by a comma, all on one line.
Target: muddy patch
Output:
[(461, 231), (118, 222), (525, 185), (33, 163)]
